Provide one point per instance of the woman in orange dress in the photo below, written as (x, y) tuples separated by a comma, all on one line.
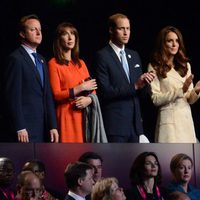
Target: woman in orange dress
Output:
[(70, 82)]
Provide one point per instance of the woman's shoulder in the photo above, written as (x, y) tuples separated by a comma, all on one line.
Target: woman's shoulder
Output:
[(52, 61), (82, 62)]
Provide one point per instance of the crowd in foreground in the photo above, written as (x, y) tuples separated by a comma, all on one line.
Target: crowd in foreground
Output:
[(84, 180)]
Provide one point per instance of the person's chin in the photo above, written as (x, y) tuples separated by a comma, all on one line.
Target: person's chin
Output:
[(184, 181)]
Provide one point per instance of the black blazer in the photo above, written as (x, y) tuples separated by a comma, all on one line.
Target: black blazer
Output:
[(134, 194), (68, 197), (119, 99), (28, 105)]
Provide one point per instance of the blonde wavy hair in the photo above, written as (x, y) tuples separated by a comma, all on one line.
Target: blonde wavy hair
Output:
[(102, 189)]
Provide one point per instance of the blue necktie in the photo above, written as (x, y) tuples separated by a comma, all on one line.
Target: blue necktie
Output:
[(124, 63), (39, 66)]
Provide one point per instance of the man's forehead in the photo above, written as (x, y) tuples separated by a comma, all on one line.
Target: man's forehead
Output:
[(94, 161)]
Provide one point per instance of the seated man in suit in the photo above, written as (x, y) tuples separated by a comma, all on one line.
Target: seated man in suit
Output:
[(79, 180), (118, 71)]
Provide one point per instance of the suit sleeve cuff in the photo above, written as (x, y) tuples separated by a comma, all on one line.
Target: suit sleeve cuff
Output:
[(71, 93)]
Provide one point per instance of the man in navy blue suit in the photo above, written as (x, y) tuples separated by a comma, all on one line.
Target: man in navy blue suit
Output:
[(29, 105), (119, 88)]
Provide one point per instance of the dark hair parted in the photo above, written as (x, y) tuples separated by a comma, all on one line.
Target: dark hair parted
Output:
[(58, 47), (137, 169), (85, 157), (159, 57), (74, 171), (177, 159), (22, 26)]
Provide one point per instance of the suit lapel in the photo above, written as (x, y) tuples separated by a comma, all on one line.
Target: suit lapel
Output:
[(31, 64), (133, 65), (118, 63)]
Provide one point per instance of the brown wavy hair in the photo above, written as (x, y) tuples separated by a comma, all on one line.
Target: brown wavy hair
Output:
[(159, 57)]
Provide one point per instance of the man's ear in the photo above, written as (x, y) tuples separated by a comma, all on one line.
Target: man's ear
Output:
[(80, 181), (21, 34), (111, 30)]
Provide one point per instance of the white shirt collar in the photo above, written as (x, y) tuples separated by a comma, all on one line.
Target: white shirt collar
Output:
[(75, 196), (116, 48), (29, 51)]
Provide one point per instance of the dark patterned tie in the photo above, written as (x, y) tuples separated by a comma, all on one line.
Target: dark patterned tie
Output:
[(39, 66)]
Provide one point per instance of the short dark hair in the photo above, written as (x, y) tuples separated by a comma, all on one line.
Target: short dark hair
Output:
[(74, 171), (85, 157)]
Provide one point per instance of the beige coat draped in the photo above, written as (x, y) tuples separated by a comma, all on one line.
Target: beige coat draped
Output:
[(174, 120)]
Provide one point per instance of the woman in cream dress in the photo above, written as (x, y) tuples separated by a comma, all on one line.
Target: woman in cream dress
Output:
[(172, 90)]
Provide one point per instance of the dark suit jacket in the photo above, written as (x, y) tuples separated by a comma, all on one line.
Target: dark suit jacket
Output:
[(28, 104), (68, 197), (119, 100)]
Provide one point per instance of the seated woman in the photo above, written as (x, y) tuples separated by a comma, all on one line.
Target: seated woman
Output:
[(181, 167), (107, 189), (145, 175)]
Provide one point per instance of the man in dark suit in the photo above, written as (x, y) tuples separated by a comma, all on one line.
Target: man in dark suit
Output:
[(119, 84), (29, 104), (79, 180)]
